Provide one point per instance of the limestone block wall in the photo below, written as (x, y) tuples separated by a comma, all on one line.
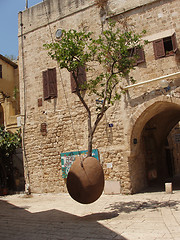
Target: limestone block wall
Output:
[(65, 117)]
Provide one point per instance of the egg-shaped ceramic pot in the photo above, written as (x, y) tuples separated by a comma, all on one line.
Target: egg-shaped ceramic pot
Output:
[(85, 181)]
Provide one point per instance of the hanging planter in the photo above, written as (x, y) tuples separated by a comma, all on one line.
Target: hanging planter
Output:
[(85, 181)]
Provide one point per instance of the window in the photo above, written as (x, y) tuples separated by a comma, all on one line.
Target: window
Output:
[(81, 79), (165, 46), (139, 52), (0, 71), (49, 84)]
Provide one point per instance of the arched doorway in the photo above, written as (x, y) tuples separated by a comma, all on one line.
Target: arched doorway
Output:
[(174, 146), (152, 159)]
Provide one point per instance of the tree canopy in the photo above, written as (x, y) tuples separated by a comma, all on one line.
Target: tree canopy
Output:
[(112, 53)]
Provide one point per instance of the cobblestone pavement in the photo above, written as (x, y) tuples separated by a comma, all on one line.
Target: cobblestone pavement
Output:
[(147, 216)]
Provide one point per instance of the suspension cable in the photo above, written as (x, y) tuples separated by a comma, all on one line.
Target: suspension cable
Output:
[(61, 79)]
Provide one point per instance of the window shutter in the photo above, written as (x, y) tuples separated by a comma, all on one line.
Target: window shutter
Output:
[(140, 54), (159, 50), (82, 75), (81, 78), (73, 83), (52, 81), (49, 83), (45, 85), (174, 42)]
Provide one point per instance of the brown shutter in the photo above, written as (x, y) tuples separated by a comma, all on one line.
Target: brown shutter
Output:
[(52, 81), (174, 42), (45, 85), (81, 76), (81, 79), (140, 54), (73, 83), (159, 50)]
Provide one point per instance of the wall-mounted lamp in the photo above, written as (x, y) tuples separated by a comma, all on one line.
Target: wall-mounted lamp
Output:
[(165, 84), (58, 34), (103, 15)]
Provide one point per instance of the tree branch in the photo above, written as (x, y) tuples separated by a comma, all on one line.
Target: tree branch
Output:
[(79, 93)]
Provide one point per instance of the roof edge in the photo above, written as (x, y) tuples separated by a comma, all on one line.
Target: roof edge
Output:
[(13, 64)]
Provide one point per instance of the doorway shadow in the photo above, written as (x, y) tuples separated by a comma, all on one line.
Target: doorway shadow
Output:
[(17, 223), (159, 185)]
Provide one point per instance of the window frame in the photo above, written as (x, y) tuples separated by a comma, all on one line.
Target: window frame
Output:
[(160, 49)]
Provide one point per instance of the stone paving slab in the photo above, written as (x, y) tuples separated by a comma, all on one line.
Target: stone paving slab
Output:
[(145, 216)]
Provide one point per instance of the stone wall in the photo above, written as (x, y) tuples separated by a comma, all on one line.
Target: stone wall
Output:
[(65, 117)]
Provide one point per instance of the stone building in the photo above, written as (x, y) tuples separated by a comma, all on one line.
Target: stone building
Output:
[(136, 151), (11, 171), (9, 96)]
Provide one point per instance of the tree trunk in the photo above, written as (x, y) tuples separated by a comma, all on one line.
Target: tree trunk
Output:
[(90, 146), (90, 135)]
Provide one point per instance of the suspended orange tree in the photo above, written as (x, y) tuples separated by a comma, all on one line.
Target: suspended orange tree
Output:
[(113, 53)]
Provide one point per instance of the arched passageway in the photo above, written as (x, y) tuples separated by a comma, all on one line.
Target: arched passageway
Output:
[(155, 159)]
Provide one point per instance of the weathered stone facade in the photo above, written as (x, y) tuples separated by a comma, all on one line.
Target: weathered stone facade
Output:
[(146, 113)]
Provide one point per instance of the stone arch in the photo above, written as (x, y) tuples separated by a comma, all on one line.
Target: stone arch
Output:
[(150, 126)]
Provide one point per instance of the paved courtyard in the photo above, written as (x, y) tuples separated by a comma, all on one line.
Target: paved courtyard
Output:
[(147, 216)]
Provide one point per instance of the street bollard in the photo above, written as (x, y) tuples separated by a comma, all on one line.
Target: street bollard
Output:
[(168, 187)]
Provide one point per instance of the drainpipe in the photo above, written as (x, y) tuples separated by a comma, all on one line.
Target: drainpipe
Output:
[(27, 187), (152, 80)]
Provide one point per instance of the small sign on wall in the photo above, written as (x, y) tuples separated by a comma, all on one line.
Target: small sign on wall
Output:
[(109, 165), (68, 158)]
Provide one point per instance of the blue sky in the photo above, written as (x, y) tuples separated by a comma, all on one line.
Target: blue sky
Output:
[(9, 24)]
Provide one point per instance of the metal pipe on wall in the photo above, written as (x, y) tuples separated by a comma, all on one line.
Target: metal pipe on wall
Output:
[(152, 80)]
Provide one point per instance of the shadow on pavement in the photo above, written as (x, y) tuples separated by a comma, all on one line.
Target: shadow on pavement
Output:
[(100, 216), (131, 206), (19, 224)]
